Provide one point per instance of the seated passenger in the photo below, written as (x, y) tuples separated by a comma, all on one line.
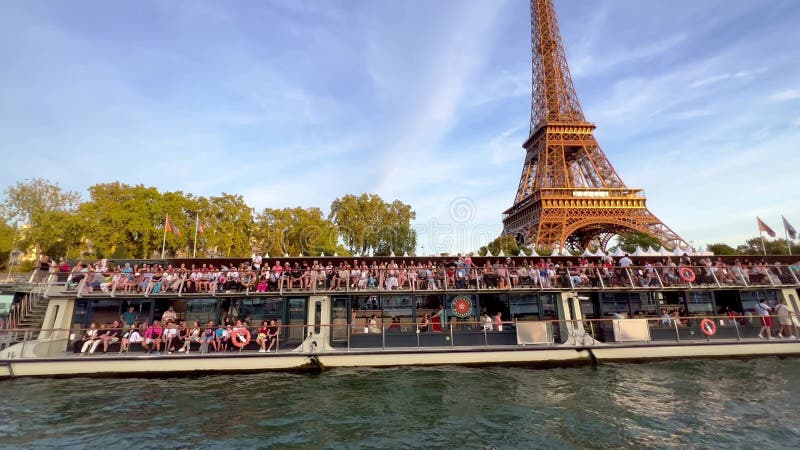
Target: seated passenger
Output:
[(666, 319), (111, 336), (373, 325), (132, 336), (424, 324), (192, 336), (261, 339), (170, 337), (152, 338), (89, 338), (272, 335)]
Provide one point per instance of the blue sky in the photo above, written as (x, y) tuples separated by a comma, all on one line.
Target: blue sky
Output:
[(296, 103)]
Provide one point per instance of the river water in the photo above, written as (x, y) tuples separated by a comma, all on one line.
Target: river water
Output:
[(697, 404)]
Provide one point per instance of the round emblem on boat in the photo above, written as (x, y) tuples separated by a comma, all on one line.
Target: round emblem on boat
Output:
[(462, 306)]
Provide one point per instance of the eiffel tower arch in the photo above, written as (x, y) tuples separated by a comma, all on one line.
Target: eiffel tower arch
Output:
[(569, 194)]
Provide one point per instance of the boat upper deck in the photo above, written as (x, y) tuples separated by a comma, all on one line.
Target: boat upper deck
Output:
[(348, 275)]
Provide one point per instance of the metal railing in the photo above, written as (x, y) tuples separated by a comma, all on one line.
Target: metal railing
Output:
[(453, 334), (434, 278)]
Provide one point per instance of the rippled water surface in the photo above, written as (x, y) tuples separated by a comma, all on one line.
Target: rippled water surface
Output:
[(697, 404)]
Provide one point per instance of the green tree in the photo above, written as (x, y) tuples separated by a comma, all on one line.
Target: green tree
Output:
[(505, 243), (294, 231), (774, 247), (39, 206), (124, 221), (629, 241), (367, 223), (7, 235), (722, 249), (228, 223)]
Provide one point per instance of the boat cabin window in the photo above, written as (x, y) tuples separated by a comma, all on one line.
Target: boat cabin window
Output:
[(751, 298), (201, 310), (5, 305), (700, 303)]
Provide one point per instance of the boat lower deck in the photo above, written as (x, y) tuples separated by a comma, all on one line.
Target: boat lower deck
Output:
[(182, 364)]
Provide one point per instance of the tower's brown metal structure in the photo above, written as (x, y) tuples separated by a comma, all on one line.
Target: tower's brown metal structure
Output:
[(569, 194)]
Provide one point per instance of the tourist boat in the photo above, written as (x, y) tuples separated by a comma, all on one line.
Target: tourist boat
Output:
[(567, 312)]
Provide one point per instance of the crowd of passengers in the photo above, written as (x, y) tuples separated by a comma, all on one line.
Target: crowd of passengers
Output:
[(459, 273), (173, 335)]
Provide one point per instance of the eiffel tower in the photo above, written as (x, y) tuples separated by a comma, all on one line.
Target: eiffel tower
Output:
[(569, 195)]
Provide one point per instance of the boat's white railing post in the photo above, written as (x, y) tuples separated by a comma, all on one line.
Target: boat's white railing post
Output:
[(383, 335), (770, 276), (714, 276), (600, 278), (278, 340), (81, 285), (675, 325), (485, 338), (736, 326), (630, 278), (452, 342), (349, 332), (24, 341), (314, 280), (591, 330), (417, 333), (180, 286), (658, 277), (791, 272)]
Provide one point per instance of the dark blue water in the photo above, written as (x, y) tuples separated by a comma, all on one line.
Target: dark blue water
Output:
[(697, 404)]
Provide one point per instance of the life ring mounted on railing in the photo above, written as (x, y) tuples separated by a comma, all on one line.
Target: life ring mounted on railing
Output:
[(687, 274), (708, 327), (237, 335)]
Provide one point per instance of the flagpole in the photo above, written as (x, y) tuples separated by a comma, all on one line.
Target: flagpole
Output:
[(786, 231), (763, 247), (164, 242), (196, 226)]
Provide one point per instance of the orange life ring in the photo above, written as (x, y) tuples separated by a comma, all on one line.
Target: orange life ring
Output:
[(235, 337), (686, 274), (708, 327)]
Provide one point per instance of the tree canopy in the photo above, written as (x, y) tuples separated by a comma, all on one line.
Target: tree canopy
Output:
[(629, 241), (367, 224), (505, 243), (124, 221)]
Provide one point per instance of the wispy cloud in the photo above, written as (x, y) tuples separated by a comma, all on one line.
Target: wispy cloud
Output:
[(297, 103), (786, 95), (727, 76)]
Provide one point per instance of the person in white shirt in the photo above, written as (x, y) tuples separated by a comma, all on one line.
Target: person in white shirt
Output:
[(763, 310), (625, 261), (487, 322)]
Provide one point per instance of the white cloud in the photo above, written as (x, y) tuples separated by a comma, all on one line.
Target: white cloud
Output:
[(747, 74), (785, 95)]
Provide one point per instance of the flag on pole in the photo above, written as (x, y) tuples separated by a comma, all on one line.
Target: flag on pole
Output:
[(762, 227), (200, 228), (168, 226), (789, 228)]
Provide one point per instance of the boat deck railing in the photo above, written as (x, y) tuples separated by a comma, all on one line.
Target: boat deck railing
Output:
[(410, 336), (475, 279)]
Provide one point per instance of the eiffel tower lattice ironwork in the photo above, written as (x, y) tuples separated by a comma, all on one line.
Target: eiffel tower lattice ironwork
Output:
[(569, 194)]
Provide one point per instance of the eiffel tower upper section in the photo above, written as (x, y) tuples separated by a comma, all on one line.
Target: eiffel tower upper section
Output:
[(569, 194)]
